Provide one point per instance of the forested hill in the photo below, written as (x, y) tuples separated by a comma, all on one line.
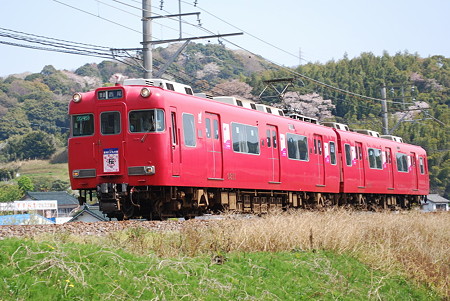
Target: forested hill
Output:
[(33, 107)]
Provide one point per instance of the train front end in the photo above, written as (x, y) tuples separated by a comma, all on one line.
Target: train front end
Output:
[(112, 146)]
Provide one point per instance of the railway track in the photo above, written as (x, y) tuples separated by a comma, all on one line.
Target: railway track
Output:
[(98, 228)]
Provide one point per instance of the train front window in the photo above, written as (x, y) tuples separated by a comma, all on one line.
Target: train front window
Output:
[(82, 125), (146, 121), (110, 123)]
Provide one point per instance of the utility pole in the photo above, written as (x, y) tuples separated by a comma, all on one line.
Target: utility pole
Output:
[(384, 107), (148, 42), (147, 38)]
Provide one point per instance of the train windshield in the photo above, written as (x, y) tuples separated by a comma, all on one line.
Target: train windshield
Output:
[(82, 125), (146, 121)]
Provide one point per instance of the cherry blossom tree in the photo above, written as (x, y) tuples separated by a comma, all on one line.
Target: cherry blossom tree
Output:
[(311, 105)]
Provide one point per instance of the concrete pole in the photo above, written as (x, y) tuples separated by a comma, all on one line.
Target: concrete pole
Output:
[(147, 38), (384, 108)]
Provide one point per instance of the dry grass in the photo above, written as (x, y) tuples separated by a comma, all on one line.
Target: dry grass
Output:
[(412, 244)]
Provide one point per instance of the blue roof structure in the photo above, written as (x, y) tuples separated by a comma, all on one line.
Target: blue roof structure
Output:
[(23, 219)]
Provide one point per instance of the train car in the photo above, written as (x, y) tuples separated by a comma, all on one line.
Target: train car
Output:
[(152, 149), (381, 172)]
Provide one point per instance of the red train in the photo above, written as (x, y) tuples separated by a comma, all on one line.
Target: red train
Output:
[(152, 149)]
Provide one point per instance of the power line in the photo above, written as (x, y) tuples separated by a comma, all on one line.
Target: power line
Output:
[(105, 19), (247, 33)]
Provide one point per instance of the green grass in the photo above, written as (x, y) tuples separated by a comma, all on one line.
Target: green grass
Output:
[(42, 168), (31, 270)]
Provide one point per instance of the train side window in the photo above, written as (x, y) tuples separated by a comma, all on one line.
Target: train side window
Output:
[(174, 129), (268, 138), (208, 127), (82, 125), (297, 147), (348, 155), (388, 157), (319, 146), (402, 162), (422, 166), (245, 138), (216, 129), (375, 158), (146, 121), (110, 123), (274, 139), (332, 153), (189, 129)]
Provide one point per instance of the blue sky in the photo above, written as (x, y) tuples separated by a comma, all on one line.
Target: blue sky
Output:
[(277, 30)]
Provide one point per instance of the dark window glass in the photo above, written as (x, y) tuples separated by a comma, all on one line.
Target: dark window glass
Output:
[(170, 87), (269, 144), (110, 123), (402, 162), (82, 125), (348, 155), (146, 121), (245, 138), (216, 129), (274, 139), (208, 127), (188, 91), (297, 147), (375, 158), (332, 153), (422, 166), (189, 129), (174, 129)]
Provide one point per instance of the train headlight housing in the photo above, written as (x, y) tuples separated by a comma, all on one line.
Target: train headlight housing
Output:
[(145, 92), (77, 97)]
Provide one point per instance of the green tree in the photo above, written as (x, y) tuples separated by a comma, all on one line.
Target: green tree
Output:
[(34, 145), (15, 122), (25, 184), (10, 193)]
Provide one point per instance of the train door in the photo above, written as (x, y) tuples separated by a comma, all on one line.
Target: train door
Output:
[(175, 142), (414, 172), (273, 153), (213, 146), (110, 139), (359, 163), (319, 152), (390, 168)]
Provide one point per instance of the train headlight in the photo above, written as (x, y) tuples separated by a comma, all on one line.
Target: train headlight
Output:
[(76, 97), (145, 92)]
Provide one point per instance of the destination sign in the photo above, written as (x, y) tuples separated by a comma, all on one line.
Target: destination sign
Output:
[(109, 94)]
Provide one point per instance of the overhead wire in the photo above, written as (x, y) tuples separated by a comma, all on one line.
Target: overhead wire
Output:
[(94, 15), (253, 36)]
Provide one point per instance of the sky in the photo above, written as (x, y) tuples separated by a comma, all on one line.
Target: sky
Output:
[(286, 32)]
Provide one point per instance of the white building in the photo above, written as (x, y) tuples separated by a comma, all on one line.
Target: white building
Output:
[(435, 203)]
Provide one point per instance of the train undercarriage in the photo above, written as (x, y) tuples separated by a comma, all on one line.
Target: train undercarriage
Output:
[(157, 203)]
